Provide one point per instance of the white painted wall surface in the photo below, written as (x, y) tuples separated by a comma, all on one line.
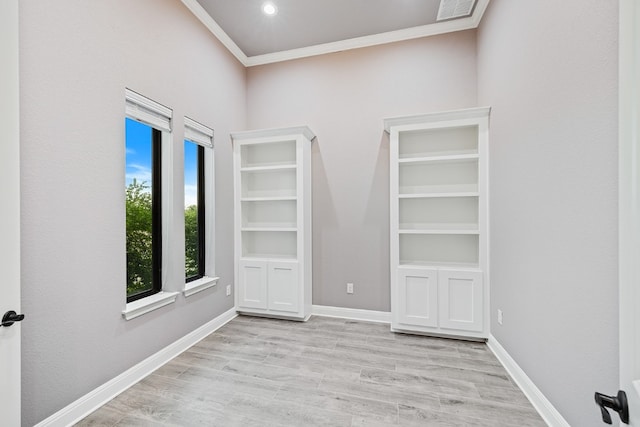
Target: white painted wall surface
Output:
[(548, 69), (343, 97), (76, 58)]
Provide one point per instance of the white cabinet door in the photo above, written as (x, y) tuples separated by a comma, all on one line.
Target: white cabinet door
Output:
[(252, 292), (461, 300), (418, 297), (283, 286)]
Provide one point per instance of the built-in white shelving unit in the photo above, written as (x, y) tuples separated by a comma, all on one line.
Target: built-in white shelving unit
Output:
[(272, 184), (439, 223)]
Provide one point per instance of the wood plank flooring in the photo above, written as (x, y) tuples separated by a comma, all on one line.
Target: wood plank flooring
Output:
[(324, 372)]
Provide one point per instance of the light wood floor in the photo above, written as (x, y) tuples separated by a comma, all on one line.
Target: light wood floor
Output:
[(325, 372)]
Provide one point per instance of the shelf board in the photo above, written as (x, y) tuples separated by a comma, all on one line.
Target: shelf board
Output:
[(427, 195), (422, 190), (270, 225), (405, 156), (452, 231), (266, 257), (271, 168), (439, 159), (269, 228), (469, 226), (268, 199), (436, 264), (439, 229)]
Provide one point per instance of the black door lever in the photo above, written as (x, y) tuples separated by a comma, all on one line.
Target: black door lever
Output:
[(617, 403), (10, 317)]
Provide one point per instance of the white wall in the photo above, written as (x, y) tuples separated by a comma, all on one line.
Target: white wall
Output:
[(76, 59), (548, 69), (343, 97)]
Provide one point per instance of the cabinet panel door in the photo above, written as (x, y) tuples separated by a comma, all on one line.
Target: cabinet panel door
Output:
[(418, 297), (461, 300), (283, 286), (252, 292)]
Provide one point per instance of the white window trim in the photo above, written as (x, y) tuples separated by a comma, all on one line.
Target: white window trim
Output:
[(151, 113), (200, 134), (143, 109), (168, 213), (145, 305), (199, 285)]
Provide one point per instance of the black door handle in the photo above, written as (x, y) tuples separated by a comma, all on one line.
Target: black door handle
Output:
[(10, 317), (617, 403)]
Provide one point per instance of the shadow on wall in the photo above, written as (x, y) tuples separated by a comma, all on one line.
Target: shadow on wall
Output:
[(323, 208), (353, 247), (376, 222)]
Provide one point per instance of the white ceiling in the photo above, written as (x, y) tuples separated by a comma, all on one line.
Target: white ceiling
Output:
[(311, 27)]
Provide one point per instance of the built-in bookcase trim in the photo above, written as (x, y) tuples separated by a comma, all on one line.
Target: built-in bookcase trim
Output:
[(275, 135), (439, 219), (444, 119), (272, 185)]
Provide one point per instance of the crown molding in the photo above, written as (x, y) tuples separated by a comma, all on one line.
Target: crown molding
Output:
[(478, 12), (215, 29), (444, 27)]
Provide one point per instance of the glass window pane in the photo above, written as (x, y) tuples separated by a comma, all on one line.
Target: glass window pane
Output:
[(192, 215), (139, 203)]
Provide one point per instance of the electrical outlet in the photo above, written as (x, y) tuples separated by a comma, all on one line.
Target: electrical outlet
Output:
[(228, 290), (499, 317), (349, 288)]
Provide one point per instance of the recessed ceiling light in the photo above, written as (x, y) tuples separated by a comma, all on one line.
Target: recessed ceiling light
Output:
[(269, 9)]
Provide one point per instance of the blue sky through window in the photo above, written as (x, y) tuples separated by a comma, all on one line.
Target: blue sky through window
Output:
[(138, 159), (138, 163), (190, 173)]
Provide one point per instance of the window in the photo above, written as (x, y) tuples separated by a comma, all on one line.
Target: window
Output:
[(144, 218), (194, 211), (198, 201), (145, 124)]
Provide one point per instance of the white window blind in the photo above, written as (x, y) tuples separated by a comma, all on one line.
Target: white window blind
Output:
[(198, 133), (147, 111)]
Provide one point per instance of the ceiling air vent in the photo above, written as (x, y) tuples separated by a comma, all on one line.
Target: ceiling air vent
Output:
[(451, 9)]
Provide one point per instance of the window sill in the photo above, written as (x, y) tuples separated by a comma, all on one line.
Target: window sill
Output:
[(148, 304), (199, 285)]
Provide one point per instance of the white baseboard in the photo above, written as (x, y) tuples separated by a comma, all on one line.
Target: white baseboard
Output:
[(82, 407), (546, 410), (352, 313), (88, 403)]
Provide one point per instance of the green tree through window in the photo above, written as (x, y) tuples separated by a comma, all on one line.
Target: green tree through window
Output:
[(191, 241), (143, 209), (194, 230), (139, 238)]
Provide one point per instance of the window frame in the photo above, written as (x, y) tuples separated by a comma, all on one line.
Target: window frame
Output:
[(202, 209), (202, 136), (159, 118), (156, 216)]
